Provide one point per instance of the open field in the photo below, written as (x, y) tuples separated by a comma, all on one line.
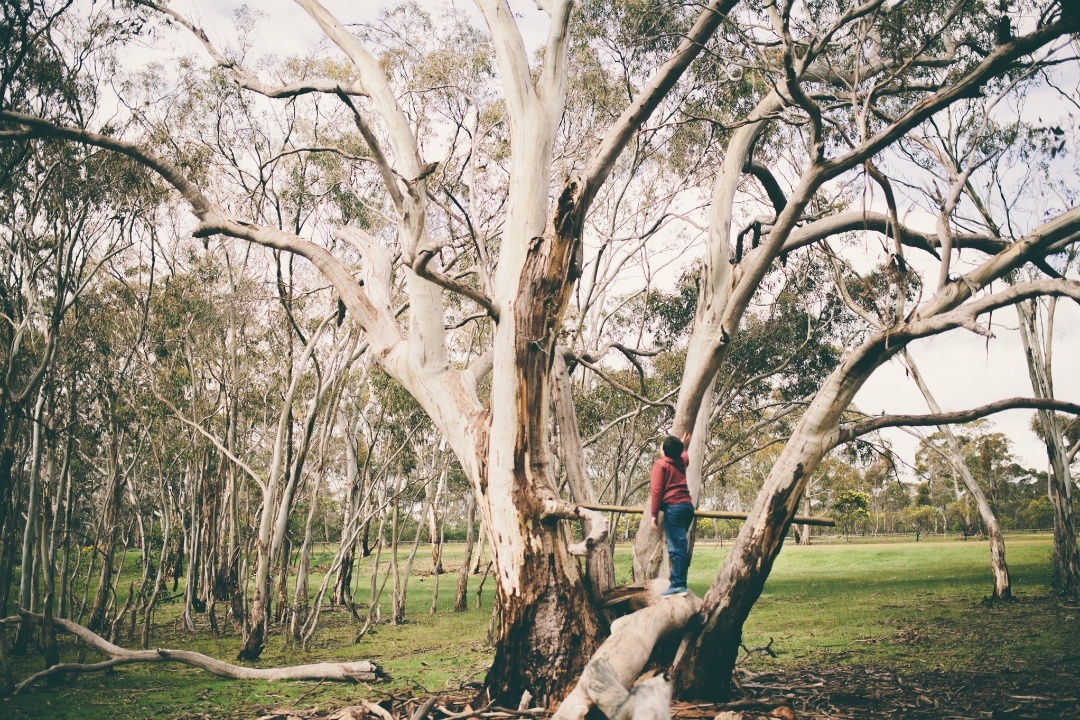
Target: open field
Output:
[(843, 611)]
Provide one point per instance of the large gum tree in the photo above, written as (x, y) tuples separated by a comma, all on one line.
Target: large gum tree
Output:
[(826, 92)]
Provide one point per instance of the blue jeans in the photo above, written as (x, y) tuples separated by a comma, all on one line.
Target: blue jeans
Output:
[(677, 519)]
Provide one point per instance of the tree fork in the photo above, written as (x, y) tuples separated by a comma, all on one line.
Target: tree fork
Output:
[(708, 654)]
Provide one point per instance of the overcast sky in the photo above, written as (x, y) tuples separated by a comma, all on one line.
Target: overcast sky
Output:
[(962, 369)]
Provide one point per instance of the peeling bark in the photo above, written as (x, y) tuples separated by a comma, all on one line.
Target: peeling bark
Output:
[(548, 626)]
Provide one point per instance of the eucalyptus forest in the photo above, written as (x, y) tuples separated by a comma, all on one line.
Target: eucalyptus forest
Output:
[(427, 284)]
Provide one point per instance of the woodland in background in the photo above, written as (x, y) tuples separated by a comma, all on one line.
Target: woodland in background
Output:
[(395, 326)]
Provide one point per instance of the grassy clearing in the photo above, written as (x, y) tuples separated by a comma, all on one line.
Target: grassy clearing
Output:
[(913, 606), (909, 606)]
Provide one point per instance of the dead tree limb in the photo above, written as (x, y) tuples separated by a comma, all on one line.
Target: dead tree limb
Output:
[(351, 671), (718, 514), (622, 657), (763, 649)]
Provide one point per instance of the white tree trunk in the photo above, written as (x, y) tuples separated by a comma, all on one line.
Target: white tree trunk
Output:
[(1037, 353), (1002, 587), (26, 576)]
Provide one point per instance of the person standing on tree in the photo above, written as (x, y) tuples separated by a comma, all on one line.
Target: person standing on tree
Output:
[(668, 492)]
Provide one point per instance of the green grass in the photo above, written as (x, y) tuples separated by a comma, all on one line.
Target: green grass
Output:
[(426, 654), (905, 605), (912, 606)]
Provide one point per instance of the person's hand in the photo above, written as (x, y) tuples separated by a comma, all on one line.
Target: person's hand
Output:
[(685, 439), (653, 519)]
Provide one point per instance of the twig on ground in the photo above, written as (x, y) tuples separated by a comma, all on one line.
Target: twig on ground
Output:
[(447, 715), (304, 695), (425, 709), (765, 649), (376, 709)]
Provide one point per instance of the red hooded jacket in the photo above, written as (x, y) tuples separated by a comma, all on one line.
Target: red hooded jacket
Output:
[(667, 483)]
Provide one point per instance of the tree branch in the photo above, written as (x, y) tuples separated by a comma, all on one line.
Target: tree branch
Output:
[(375, 86), (556, 508), (332, 150), (420, 267), (387, 173), (622, 657), (243, 78), (965, 315), (619, 386), (217, 443), (1000, 57), (855, 220), (850, 431), (772, 187), (552, 84), (512, 56), (382, 331), (635, 115)]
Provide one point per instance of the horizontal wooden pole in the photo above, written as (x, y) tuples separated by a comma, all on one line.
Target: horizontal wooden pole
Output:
[(717, 514)]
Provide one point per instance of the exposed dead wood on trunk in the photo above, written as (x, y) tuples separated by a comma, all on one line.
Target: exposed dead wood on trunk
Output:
[(547, 625)]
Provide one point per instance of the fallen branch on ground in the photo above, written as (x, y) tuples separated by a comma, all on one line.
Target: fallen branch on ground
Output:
[(765, 649), (424, 709), (469, 712), (350, 671), (750, 704)]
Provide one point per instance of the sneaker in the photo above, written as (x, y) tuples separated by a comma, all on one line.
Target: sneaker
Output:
[(673, 590)]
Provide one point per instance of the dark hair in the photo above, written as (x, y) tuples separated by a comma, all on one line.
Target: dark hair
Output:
[(673, 447)]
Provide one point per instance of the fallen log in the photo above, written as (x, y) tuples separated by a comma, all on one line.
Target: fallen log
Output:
[(648, 700), (717, 514), (619, 661), (361, 671)]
